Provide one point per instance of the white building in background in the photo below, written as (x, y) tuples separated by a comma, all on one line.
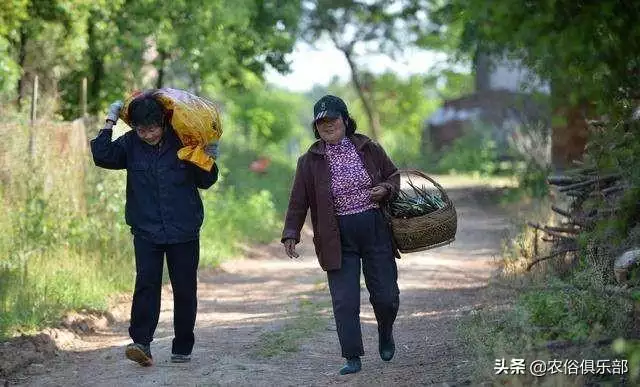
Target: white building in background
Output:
[(507, 74)]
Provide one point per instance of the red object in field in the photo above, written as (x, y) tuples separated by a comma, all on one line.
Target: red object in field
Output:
[(260, 165)]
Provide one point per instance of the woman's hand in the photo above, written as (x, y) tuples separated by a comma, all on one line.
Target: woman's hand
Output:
[(378, 193), (114, 112), (290, 248)]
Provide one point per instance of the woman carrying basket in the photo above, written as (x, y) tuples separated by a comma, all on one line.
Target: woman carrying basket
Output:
[(342, 179)]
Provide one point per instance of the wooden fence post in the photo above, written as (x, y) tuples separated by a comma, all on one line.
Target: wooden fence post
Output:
[(83, 97), (34, 109), (34, 100)]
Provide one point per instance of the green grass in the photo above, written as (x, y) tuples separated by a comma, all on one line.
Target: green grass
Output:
[(534, 318), (540, 309), (55, 257), (307, 320)]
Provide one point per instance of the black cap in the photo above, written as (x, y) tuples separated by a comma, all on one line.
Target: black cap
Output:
[(329, 106)]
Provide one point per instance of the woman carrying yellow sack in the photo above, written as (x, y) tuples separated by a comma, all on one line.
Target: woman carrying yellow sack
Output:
[(196, 121), (168, 157)]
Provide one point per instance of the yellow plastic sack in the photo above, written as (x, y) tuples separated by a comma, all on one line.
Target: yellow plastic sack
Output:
[(195, 120)]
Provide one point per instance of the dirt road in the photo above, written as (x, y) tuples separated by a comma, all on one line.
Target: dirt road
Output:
[(267, 321)]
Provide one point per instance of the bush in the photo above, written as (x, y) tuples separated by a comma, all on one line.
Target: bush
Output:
[(58, 259), (476, 152)]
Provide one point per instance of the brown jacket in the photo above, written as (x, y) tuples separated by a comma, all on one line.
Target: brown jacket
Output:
[(312, 189)]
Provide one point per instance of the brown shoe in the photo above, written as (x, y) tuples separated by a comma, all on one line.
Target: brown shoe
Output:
[(139, 353)]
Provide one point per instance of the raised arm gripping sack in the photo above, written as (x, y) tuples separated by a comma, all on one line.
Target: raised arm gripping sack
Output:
[(195, 120)]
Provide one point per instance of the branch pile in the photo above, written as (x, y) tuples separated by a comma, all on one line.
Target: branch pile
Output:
[(580, 185)]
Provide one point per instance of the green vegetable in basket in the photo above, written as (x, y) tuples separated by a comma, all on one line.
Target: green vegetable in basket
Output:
[(422, 202)]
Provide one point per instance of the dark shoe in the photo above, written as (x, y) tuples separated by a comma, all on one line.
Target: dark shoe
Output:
[(386, 347), (139, 353), (352, 366), (177, 358)]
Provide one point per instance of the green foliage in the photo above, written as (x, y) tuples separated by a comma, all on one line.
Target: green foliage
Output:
[(59, 260), (452, 84), (363, 22), (9, 70), (268, 117), (12, 14), (554, 311), (532, 183), (403, 105), (473, 152), (119, 46), (568, 314), (232, 219), (236, 157), (582, 48), (630, 349)]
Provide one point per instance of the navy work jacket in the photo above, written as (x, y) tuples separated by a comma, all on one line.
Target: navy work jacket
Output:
[(163, 203)]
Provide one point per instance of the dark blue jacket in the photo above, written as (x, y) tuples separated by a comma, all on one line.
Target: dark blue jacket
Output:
[(163, 203)]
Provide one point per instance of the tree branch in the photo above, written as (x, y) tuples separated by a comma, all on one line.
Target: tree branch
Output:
[(555, 254), (597, 180), (569, 230)]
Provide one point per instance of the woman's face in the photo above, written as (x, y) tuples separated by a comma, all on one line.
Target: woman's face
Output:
[(331, 130), (150, 134)]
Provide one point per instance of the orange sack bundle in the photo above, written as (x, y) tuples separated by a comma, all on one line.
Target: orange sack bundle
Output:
[(196, 121)]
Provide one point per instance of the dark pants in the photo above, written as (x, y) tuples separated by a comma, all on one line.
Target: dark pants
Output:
[(182, 264), (365, 235)]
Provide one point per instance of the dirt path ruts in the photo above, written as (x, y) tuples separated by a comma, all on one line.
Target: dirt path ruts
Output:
[(274, 296)]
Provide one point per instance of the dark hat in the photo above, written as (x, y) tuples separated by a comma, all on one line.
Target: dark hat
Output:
[(329, 106)]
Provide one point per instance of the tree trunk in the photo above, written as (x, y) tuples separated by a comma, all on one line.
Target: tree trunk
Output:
[(482, 67), (568, 139), (370, 110), (195, 83), (96, 65), (162, 57), (22, 57)]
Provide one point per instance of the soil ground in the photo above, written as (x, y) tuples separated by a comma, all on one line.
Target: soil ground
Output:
[(265, 320)]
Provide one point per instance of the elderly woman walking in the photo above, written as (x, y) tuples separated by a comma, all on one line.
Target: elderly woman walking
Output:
[(342, 179)]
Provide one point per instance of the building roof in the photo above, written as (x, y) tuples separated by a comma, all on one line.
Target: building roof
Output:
[(493, 106)]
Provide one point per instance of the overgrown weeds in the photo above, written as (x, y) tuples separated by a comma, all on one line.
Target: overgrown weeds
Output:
[(64, 243), (569, 309)]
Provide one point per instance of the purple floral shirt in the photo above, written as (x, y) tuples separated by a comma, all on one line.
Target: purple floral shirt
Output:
[(350, 182)]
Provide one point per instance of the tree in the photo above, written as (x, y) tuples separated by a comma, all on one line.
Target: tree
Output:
[(120, 45), (357, 28), (197, 39), (268, 117), (12, 15), (23, 24), (587, 50)]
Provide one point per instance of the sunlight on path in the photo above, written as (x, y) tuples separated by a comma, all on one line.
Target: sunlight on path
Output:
[(247, 300)]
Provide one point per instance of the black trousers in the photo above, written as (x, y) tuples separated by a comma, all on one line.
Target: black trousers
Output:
[(182, 264), (364, 236)]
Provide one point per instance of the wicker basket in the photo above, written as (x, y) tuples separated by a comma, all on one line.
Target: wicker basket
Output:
[(435, 229)]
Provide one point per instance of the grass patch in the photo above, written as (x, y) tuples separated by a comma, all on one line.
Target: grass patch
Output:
[(533, 324), (306, 321), (539, 309), (64, 244)]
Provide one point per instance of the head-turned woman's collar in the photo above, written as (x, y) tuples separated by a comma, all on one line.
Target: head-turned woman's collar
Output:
[(343, 143)]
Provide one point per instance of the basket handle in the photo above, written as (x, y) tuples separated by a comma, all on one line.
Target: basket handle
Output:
[(445, 197)]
